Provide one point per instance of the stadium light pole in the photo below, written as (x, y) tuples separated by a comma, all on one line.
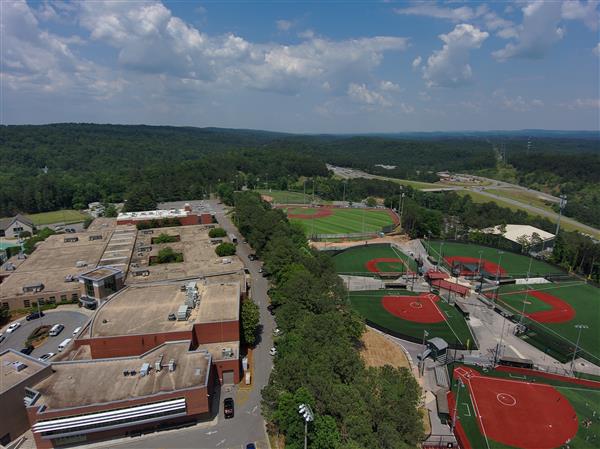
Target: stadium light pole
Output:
[(307, 415), (479, 263), (526, 291), (459, 387), (500, 253), (562, 205), (580, 327), (440, 255)]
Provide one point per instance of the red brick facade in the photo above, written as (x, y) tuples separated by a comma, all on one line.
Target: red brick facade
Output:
[(217, 332)]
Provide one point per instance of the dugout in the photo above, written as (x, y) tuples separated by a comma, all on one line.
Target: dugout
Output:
[(438, 347), (516, 362), (443, 410)]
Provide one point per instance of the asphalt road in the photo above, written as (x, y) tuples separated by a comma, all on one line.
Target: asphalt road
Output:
[(247, 425), (71, 319)]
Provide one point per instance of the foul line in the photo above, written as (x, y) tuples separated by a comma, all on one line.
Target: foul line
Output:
[(477, 413)]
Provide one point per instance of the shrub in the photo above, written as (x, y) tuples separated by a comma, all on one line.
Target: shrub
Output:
[(167, 255), (165, 238), (216, 233), (225, 249)]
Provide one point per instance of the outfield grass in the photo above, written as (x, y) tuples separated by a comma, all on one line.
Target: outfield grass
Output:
[(585, 401), (454, 330), (585, 299), (343, 221), (289, 197), (65, 216), (354, 260), (515, 265)]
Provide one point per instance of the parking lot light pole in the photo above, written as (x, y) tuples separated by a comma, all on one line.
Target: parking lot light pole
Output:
[(307, 415), (580, 327)]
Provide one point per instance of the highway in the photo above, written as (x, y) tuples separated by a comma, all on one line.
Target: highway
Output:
[(349, 173)]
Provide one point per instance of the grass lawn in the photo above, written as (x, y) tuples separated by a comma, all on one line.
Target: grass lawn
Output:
[(342, 221), (515, 265), (354, 260), (65, 216), (523, 197), (583, 399), (585, 299), (289, 197), (454, 330)]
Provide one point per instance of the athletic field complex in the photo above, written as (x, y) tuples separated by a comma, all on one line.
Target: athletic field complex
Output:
[(510, 408), (471, 258), (370, 260), (550, 313), (334, 220), (407, 315)]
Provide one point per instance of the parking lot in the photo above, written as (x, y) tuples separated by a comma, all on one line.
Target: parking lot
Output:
[(71, 319)]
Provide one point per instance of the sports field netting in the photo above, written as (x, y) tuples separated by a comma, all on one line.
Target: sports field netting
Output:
[(406, 314), (467, 254), (340, 220), (505, 410), (551, 313), (368, 260)]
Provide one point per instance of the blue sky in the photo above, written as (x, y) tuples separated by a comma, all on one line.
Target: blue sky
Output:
[(303, 66)]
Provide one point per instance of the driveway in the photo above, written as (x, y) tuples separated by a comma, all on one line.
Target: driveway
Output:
[(247, 425), (71, 319)]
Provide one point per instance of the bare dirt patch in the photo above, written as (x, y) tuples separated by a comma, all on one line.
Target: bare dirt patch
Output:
[(380, 351)]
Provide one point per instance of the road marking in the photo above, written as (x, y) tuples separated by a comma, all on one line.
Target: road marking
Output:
[(210, 432), (516, 351), (220, 442), (254, 409)]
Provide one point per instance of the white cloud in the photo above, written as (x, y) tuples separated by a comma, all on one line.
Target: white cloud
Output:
[(388, 86), (361, 94), (449, 67), (587, 12), (584, 103), (416, 62), (518, 103), (539, 31), (596, 49), (427, 9), (284, 25)]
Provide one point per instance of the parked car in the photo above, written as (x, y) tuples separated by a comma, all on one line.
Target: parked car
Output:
[(277, 332), (273, 351), (47, 356), (172, 317), (271, 309), (76, 331), (252, 257), (228, 408), (250, 446), (28, 350), (13, 327), (2, 337), (34, 316), (70, 230), (56, 329)]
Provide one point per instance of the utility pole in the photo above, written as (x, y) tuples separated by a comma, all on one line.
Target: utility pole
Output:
[(401, 207), (307, 415), (562, 205), (580, 327)]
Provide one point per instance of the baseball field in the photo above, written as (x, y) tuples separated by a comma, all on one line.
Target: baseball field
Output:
[(331, 220), (407, 315), (511, 408), (491, 261), (368, 260), (551, 312)]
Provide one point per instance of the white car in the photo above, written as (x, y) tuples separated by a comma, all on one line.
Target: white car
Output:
[(13, 327), (273, 351), (277, 332), (76, 331), (47, 356)]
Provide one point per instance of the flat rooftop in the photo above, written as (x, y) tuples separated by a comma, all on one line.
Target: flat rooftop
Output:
[(99, 273), (10, 375), (54, 259), (75, 383), (145, 309), (199, 257), (153, 214), (515, 232)]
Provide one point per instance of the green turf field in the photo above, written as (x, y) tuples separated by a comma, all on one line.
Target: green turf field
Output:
[(289, 197), (584, 298), (65, 216), (342, 221), (354, 260), (454, 330), (515, 265), (585, 400)]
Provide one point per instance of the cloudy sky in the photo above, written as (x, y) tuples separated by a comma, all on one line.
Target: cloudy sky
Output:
[(303, 66)]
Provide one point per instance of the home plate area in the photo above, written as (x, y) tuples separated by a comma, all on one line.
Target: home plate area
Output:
[(418, 309)]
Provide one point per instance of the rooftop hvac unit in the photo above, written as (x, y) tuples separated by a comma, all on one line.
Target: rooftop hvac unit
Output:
[(144, 369), (183, 312), (80, 263), (171, 365), (182, 288), (158, 364), (227, 352), (19, 366)]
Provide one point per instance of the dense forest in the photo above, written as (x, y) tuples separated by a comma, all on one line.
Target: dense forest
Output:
[(317, 361)]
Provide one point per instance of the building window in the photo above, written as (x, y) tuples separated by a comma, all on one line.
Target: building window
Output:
[(5, 305), (74, 297), (26, 303), (110, 284), (63, 298), (89, 289), (41, 301), (51, 300)]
